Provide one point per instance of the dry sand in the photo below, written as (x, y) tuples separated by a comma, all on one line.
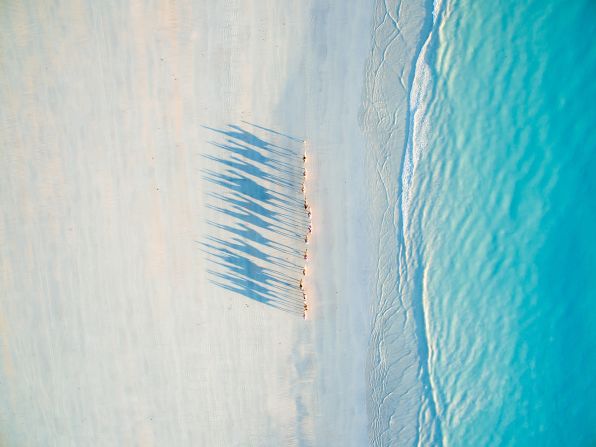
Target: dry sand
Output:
[(128, 313)]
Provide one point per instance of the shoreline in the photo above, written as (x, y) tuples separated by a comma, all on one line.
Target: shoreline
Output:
[(397, 309)]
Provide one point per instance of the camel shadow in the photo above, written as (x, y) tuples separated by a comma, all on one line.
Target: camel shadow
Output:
[(257, 244)]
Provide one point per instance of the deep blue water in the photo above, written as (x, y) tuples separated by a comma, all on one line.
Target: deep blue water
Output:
[(497, 233)]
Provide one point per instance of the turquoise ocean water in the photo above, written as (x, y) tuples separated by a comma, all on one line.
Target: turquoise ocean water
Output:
[(496, 259)]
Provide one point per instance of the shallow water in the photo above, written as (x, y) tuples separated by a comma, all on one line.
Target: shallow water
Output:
[(488, 305)]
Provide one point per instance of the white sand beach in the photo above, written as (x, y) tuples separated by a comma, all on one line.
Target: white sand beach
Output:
[(143, 278)]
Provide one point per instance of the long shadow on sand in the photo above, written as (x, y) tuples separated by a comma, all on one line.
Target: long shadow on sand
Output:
[(256, 247)]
